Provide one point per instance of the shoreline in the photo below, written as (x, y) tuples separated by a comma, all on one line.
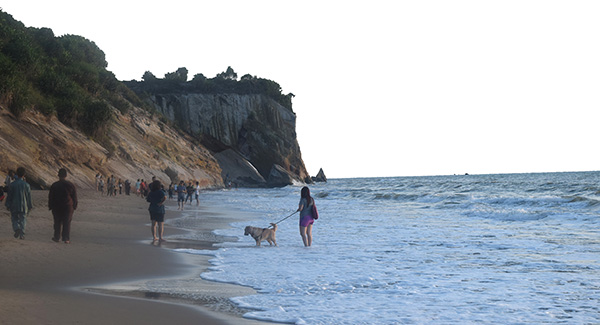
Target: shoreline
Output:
[(97, 278)]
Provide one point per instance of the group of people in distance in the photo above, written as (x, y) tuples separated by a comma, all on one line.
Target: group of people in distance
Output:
[(185, 193), (113, 186), (62, 201)]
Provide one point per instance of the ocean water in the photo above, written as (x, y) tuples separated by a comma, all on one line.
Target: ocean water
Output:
[(510, 249)]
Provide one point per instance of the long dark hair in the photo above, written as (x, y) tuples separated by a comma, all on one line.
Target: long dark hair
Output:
[(305, 194), (155, 186)]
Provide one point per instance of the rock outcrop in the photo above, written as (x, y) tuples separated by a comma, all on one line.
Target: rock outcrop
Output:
[(320, 176), (237, 171), (256, 128), (142, 147), (245, 140), (280, 177)]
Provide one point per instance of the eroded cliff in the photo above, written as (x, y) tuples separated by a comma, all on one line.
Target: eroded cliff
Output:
[(255, 127), (60, 107), (142, 147)]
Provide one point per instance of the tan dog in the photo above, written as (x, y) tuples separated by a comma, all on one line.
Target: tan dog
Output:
[(260, 234)]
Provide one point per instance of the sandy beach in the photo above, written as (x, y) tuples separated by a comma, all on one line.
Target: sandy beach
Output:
[(92, 280)]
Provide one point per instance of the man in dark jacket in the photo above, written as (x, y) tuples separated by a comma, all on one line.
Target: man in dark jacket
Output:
[(62, 200)]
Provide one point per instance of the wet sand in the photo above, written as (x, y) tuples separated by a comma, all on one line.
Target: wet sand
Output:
[(93, 279)]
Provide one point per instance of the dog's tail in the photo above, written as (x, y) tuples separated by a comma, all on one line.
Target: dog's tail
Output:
[(274, 225)]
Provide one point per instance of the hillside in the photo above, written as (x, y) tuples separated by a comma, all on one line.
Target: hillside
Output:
[(60, 107), (144, 147)]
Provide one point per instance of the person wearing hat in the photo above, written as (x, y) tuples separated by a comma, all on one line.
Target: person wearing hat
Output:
[(62, 200)]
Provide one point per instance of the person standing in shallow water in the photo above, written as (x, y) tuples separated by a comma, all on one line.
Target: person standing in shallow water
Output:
[(181, 190), (62, 200), (197, 193), (157, 198), (306, 218), (18, 202)]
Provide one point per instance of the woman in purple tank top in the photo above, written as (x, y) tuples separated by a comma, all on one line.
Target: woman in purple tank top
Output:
[(306, 218)]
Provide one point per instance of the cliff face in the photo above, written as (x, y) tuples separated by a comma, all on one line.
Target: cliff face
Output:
[(251, 136), (260, 130), (143, 147), (249, 140)]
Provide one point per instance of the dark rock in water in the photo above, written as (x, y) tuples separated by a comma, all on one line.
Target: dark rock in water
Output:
[(237, 171), (320, 176), (280, 177)]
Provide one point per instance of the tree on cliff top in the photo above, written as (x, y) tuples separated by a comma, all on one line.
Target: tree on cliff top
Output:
[(224, 82), (181, 75), (229, 74), (149, 76)]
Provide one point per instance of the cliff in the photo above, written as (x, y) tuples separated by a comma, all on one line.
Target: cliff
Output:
[(142, 147), (252, 129), (60, 107), (248, 140)]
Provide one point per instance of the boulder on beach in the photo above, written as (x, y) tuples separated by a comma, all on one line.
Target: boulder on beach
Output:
[(237, 170)]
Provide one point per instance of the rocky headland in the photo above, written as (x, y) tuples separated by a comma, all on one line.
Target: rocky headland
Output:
[(60, 107), (252, 137)]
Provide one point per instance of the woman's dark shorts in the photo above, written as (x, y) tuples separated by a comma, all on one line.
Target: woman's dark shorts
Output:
[(158, 217)]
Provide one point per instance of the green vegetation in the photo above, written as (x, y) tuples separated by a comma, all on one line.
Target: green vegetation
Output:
[(224, 82), (64, 76)]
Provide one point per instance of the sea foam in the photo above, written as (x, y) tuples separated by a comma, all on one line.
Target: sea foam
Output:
[(517, 248)]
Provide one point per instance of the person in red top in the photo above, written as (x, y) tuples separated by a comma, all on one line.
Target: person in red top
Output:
[(62, 200)]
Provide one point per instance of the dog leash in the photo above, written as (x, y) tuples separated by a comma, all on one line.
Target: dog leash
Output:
[(285, 218)]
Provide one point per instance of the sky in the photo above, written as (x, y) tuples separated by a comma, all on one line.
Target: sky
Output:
[(382, 88)]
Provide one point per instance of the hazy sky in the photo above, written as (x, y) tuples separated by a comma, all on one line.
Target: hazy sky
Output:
[(383, 88)]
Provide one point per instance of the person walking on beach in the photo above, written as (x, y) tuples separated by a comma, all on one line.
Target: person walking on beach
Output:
[(127, 187), (171, 191), (157, 198), (101, 185), (98, 176), (62, 200), (145, 188), (181, 190), (110, 185), (197, 193), (190, 192), (18, 202), (306, 218)]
